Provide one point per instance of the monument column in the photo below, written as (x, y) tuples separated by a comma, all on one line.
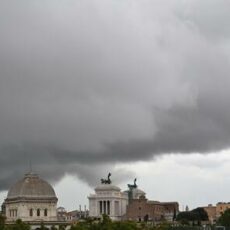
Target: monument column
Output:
[(112, 207), (106, 208)]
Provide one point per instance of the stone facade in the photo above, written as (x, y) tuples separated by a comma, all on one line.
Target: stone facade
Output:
[(141, 209), (214, 212), (32, 211), (221, 207), (108, 199), (211, 211)]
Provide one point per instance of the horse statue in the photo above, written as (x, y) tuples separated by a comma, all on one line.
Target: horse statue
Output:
[(107, 181), (131, 186)]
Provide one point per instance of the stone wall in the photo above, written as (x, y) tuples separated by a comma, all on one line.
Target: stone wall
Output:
[(139, 209), (22, 210)]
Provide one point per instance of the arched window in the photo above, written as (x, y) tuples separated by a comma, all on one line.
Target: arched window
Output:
[(31, 212), (45, 212), (38, 212)]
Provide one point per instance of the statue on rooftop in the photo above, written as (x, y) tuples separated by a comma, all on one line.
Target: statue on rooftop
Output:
[(107, 181), (131, 186)]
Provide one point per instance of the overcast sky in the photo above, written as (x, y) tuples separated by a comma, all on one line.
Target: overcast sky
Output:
[(138, 88)]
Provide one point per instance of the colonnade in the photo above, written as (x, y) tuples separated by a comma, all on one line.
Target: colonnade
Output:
[(105, 207)]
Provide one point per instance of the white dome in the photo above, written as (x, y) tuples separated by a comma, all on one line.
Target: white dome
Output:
[(107, 187), (137, 193)]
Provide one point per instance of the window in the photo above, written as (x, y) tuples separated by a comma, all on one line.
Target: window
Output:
[(13, 212), (45, 212), (38, 212), (31, 212)]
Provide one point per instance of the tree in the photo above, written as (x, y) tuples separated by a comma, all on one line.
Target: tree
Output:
[(18, 225), (105, 224), (2, 222), (186, 216), (196, 215), (53, 228), (79, 226), (61, 227), (125, 225), (201, 214), (225, 218), (42, 226)]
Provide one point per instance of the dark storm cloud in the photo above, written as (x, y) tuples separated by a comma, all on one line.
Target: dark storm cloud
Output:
[(88, 84)]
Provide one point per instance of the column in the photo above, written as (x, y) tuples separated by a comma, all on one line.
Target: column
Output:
[(106, 208), (112, 208)]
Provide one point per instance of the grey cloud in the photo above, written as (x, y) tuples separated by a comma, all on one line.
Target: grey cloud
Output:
[(206, 162), (85, 85), (210, 17)]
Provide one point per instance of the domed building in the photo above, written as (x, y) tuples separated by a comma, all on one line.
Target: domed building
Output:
[(108, 199), (32, 200)]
